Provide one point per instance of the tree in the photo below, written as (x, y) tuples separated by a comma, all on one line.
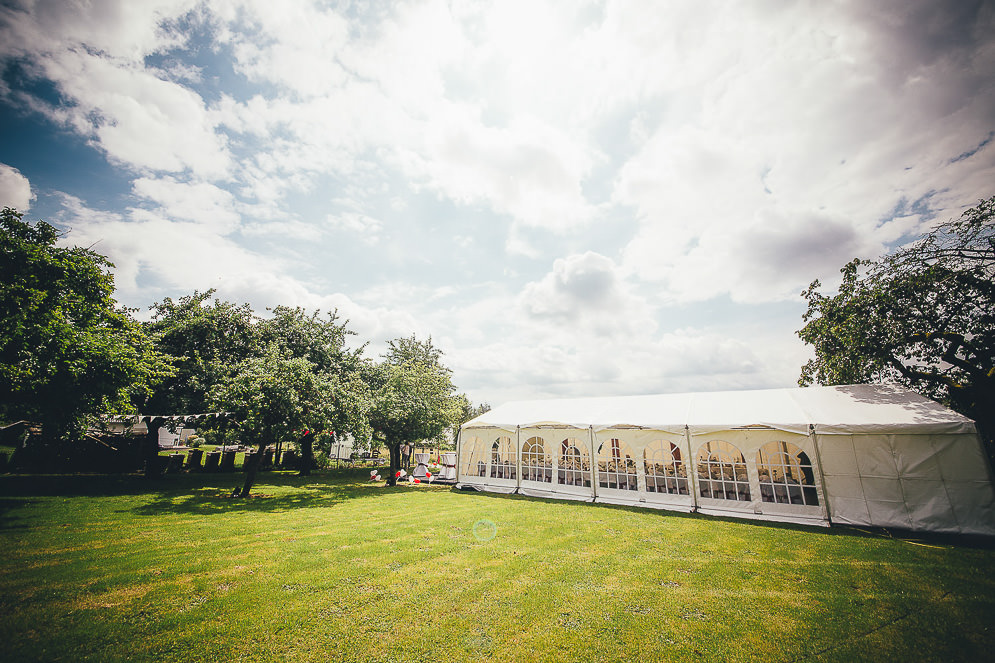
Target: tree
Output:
[(206, 341), (413, 397), (320, 339), (67, 350), (279, 396), (923, 317)]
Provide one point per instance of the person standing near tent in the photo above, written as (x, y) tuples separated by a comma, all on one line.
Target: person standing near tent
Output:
[(406, 456)]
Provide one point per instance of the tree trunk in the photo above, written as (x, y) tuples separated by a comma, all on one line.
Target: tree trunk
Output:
[(152, 466), (394, 453), (250, 471), (306, 461)]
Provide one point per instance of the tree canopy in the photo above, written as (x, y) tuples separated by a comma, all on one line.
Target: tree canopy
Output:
[(67, 350), (205, 340), (923, 317), (319, 338)]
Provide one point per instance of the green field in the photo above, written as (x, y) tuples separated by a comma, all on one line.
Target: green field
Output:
[(329, 568)]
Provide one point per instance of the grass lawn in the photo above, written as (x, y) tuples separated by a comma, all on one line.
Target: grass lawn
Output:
[(329, 568)]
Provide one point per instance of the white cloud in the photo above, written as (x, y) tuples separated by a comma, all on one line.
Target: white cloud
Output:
[(206, 204), (365, 228), (529, 170), (140, 120), (642, 163), (119, 29), (156, 257), (94, 54), (398, 106), (586, 292), (15, 189), (541, 367), (807, 138), (294, 45), (283, 230)]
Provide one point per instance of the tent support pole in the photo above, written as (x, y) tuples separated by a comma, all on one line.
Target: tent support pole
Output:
[(594, 464), (692, 470), (518, 459), (459, 450), (822, 477)]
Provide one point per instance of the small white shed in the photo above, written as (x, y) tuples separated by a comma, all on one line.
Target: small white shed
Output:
[(875, 455)]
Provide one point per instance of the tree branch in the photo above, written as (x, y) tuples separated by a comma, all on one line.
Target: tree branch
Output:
[(949, 355), (931, 376)]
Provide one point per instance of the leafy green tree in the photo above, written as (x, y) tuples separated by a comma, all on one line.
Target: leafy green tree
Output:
[(320, 339), (279, 396), (67, 350), (211, 340), (413, 397), (923, 317), (206, 340)]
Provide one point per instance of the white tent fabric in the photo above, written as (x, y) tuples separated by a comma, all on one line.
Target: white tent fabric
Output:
[(873, 455)]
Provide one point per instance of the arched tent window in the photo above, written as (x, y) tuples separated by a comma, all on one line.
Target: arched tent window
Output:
[(616, 469), (537, 464), (474, 457), (575, 463), (503, 458), (786, 475), (722, 472), (664, 468)]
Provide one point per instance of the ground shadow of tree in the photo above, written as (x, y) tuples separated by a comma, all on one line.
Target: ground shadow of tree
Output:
[(192, 494), (210, 501)]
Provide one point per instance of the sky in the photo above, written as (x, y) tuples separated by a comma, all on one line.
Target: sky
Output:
[(572, 198)]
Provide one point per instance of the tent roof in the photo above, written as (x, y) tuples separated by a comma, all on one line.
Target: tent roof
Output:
[(861, 408)]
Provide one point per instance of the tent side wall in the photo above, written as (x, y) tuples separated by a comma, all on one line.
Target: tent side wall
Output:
[(862, 455), (759, 472), (930, 482), (652, 468)]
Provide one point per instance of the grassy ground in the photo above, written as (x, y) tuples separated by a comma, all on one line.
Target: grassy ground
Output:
[(330, 568)]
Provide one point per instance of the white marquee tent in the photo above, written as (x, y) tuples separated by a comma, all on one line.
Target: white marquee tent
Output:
[(861, 455)]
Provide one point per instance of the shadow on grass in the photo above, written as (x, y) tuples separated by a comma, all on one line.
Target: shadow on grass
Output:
[(208, 500), (197, 493), (77, 485)]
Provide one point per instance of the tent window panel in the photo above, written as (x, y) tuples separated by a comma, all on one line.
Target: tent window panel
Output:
[(474, 458), (664, 469), (786, 475), (503, 462), (537, 464), (722, 472), (616, 469), (575, 464)]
